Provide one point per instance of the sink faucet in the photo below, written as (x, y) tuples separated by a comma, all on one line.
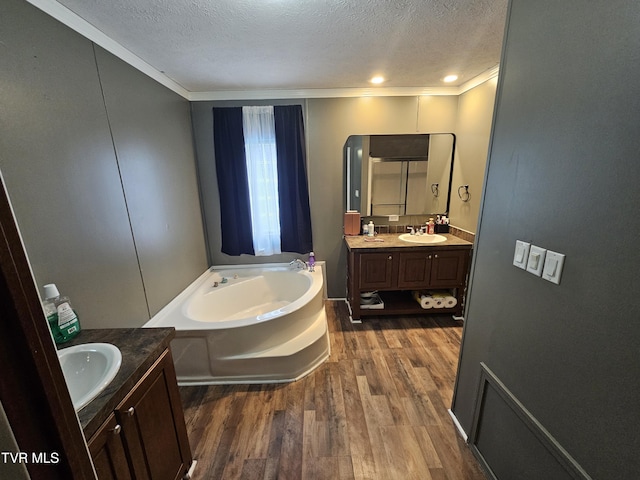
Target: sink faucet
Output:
[(298, 264)]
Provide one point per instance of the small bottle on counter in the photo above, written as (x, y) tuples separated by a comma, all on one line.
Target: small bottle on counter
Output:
[(312, 262), (62, 318), (372, 229), (431, 227)]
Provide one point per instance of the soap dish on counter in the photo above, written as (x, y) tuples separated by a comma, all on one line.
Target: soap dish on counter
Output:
[(371, 300)]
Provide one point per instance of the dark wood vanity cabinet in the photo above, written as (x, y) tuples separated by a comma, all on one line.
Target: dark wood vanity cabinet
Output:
[(146, 436), (396, 270)]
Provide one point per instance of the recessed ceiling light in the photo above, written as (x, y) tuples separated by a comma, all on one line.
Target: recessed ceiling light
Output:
[(450, 78), (377, 80)]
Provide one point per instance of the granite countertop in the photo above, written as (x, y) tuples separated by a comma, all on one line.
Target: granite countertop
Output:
[(140, 348), (391, 240)]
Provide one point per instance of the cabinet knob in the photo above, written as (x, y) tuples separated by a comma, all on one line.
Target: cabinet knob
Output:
[(429, 257), (116, 430), (435, 256), (389, 257), (131, 411)]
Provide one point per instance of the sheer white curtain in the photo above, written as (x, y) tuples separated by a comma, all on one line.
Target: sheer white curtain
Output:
[(260, 149)]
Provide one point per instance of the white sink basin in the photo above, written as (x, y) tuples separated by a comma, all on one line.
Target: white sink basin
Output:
[(407, 237), (88, 369)]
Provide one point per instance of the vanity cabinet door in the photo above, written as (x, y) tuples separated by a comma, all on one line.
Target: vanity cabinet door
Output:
[(432, 268), (376, 271), (108, 452), (414, 269), (153, 425), (449, 268)]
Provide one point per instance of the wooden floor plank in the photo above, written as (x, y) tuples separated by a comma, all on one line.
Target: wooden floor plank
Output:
[(456, 458), (376, 410), (357, 432), (345, 468), (290, 466), (429, 451), (253, 469)]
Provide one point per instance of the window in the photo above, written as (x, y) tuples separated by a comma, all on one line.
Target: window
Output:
[(262, 181), (262, 176)]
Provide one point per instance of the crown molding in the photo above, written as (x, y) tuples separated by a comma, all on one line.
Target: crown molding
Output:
[(479, 79), (84, 28), (322, 93), (344, 92)]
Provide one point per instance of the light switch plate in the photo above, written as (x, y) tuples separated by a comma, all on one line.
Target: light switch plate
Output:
[(521, 254), (535, 263), (553, 264)]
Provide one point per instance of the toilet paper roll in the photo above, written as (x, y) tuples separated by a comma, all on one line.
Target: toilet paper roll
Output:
[(425, 301), (438, 299), (450, 301)]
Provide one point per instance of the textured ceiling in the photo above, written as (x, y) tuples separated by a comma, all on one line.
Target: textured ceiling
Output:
[(228, 45)]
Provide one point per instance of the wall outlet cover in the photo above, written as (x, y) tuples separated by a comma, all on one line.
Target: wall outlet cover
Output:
[(536, 260), (521, 255), (553, 264)]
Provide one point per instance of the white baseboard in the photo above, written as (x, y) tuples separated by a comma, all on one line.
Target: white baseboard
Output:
[(191, 469), (461, 431)]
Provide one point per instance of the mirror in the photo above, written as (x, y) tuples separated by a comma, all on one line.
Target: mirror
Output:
[(399, 174)]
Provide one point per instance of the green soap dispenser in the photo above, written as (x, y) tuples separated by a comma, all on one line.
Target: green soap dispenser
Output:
[(62, 318)]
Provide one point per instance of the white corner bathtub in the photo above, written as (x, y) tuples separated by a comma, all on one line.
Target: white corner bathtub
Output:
[(248, 324)]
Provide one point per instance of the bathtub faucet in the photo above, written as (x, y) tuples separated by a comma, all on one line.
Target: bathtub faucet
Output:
[(299, 264)]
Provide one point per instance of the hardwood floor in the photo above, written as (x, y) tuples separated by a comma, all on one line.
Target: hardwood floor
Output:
[(377, 409)]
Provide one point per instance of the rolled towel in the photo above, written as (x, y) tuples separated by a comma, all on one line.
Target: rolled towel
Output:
[(425, 301), (438, 299), (450, 301)]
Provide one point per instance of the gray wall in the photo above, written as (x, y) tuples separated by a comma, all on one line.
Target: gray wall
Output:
[(473, 129), (562, 174), (99, 165)]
